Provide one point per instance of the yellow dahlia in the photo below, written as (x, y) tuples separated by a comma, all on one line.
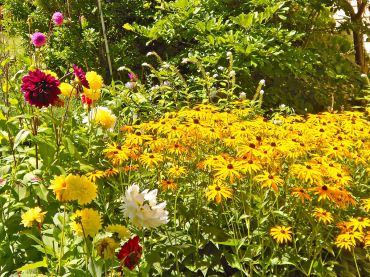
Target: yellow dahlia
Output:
[(86, 222), (106, 248), (122, 232), (81, 189), (95, 80), (66, 89), (34, 214)]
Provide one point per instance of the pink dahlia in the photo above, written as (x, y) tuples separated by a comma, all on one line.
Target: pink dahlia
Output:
[(58, 18), (81, 76), (38, 39), (40, 89)]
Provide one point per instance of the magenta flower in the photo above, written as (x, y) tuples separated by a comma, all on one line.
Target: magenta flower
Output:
[(58, 18), (81, 76), (40, 89), (38, 39)]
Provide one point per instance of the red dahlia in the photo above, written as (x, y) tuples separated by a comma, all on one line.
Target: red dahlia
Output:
[(130, 253), (40, 89), (81, 76)]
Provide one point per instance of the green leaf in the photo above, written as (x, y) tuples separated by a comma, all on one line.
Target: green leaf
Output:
[(20, 137), (34, 265)]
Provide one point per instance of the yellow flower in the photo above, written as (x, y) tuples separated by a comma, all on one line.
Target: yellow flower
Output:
[(168, 185), (323, 215), (60, 187), (74, 187), (104, 117), (151, 159), (228, 169), (94, 95), (176, 171), (301, 194), (106, 248), (95, 80), (348, 240), (366, 204), (86, 222), (281, 234), (96, 174), (32, 215), (81, 189), (51, 73), (359, 223), (66, 89), (270, 180), (122, 232), (217, 191)]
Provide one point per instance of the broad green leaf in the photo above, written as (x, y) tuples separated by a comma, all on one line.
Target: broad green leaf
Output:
[(34, 265)]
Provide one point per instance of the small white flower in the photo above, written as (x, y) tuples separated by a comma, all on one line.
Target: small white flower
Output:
[(282, 106), (167, 83), (215, 75), (166, 66), (145, 64), (221, 68), (149, 54), (262, 82), (242, 96), (142, 208), (363, 75), (262, 91), (229, 54), (185, 60), (232, 73)]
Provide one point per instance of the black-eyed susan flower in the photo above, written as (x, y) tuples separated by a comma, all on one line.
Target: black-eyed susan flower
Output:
[(301, 194), (151, 159), (269, 180), (366, 204), (307, 172), (217, 191), (94, 175), (176, 171), (282, 234), (348, 240), (86, 222), (33, 215), (168, 185), (359, 223), (323, 215), (228, 169)]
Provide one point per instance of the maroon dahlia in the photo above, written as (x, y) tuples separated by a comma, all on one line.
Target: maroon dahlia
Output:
[(81, 76), (40, 89), (130, 253)]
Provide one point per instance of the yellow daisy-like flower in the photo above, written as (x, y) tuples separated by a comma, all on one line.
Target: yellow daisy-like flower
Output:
[(66, 89), (323, 215), (359, 223), (151, 159), (122, 232), (217, 191), (176, 171), (168, 185), (86, 222), (95, 80), (106, 248), (366, 204), (367, 239), (348, 240), (270, 180), (282, 234), (94, 175), (33, 215)]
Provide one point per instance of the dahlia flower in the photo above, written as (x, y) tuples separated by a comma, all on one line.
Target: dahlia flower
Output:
[(38, 39), (32, 215), (94, 79), (142, 208), (86, 222), (130, 253), (40, 89), (81, 76), (58, 18), (102, 116)]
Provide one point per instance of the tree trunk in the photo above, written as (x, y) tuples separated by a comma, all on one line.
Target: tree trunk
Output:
[(358, 41)]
